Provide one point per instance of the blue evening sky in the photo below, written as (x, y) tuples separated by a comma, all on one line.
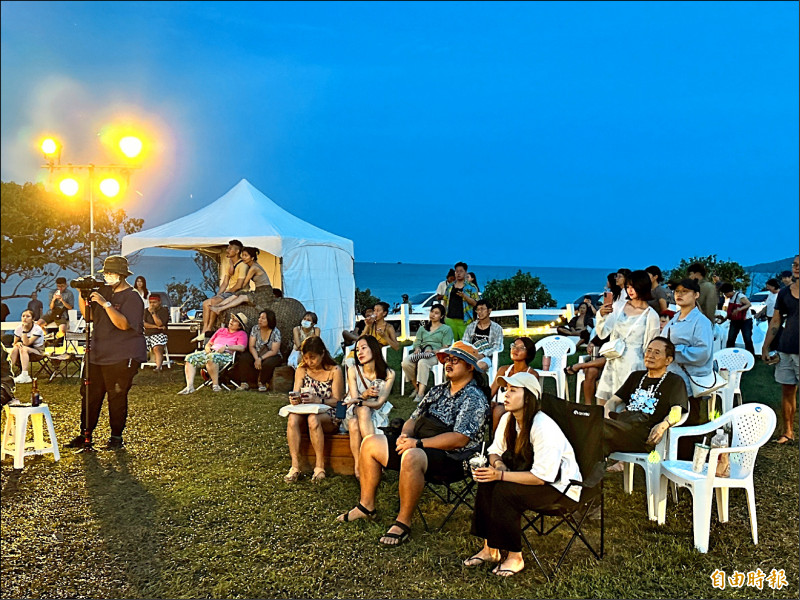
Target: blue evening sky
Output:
[(551, 134)]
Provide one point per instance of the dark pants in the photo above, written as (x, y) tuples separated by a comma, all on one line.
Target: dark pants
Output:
[(619, 436), (245, 369), (114, 380), (746, 328), (499, 506)]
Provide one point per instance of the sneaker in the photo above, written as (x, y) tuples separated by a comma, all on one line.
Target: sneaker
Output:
[(262, 388), (216, 388), (79, 441), (115, 443), (244, 387), (186, 390), (23, 378), (200, 337)]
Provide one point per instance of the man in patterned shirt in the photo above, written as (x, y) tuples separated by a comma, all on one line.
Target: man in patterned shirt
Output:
[(444, 430)]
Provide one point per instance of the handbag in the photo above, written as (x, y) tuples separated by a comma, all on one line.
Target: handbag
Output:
[(705, 385), (613, 349), (733, 313), (428, 426)]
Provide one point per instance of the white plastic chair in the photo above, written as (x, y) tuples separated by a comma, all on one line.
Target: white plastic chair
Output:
[(652, 471), (167, 362), (752, 426), (558, 348), (736, 361)]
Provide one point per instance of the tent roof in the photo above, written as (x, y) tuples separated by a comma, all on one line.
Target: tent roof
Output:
[(243, 213)]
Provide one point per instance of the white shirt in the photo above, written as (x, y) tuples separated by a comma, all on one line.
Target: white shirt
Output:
[(773, 296), (441, 288), (554, 459), (36, 332)]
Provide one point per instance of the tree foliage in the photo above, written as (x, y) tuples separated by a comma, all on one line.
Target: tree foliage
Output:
[(728, 270), (505, 294), (365, 300), (44, 233), (185, 294), (209, 268)]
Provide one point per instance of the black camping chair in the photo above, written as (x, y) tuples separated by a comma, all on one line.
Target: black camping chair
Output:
[(459, 490), (583, 427)]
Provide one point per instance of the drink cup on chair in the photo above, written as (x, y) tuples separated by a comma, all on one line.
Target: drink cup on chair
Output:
[(700, 456)]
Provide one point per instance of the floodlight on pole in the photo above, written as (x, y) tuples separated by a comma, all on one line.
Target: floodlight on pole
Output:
[(131, 146), (69, 186), (109, 187), (49, 146)]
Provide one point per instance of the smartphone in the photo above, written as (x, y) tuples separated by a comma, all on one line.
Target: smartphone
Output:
[(608, 298), (341, 410)]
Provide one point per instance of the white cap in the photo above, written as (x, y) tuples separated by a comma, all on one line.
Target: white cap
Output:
[(525, 380)]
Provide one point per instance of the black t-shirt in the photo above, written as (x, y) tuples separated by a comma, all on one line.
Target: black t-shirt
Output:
[(788, 305), (163, 316), (481, 338), (455, 304), (36, 307), (646, 400), (111, 345)]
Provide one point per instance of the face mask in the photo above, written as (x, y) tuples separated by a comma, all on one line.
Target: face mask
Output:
[(111, 278), (305, 324)]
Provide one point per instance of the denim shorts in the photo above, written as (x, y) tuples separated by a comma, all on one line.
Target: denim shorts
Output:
[(787, 372)]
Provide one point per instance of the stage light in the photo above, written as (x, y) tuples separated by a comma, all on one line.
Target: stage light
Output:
[(49, 146), (131, 146), (110, 187), (69, 186)]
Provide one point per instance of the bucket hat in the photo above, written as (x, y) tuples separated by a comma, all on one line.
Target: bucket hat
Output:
[(116, 264), (463, 350)]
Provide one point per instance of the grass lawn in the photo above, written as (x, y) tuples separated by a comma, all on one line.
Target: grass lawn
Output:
[(196, 507)]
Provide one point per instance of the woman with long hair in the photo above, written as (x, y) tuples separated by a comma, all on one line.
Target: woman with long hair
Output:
[(630, 329), (260, 279), (369, 383), (140, 287), (432, 336), (474, 281), (522, 352), (531, 464), (257, 365), (317, 380), (307, 328)]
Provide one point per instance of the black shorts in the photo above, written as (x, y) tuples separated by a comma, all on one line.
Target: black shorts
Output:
[(60, 317), (440, 465)]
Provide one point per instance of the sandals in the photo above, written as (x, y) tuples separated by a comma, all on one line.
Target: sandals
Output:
[(505, 572), (292, 475), (400, 537), (569, 370), (477, 561), (369, 515), (319, 475), (787, 441)]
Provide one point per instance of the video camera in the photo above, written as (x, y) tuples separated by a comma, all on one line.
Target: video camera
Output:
[(87, 284)]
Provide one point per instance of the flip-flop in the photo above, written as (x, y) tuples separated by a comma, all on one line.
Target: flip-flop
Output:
[(788, 441), (319, 475), (292, 475), (569, 370), (369, 514), (400, 537), (481, 561), (506, 572)]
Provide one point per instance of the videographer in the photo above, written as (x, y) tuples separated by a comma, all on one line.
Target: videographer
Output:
[(117, 350)]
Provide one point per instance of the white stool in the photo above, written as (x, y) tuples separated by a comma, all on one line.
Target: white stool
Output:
[(17, 417)]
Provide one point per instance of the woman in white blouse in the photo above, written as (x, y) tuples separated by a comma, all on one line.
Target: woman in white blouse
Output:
[(530, 466)]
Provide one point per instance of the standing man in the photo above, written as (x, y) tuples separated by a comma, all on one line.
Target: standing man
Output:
[(156, 317), (787, 373), (739, 318), (443, 431), (708, 291), (118, 348), (484, 334), (459, 300), (442, 287), (231, 282), (61, 301), (36, 307)]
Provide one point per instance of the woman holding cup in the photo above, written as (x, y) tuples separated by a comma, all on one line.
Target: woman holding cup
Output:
[(370, 383), (318, 380), (529, 450)]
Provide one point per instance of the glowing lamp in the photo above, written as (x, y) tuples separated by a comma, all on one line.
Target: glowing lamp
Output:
[(109, 187), (131, 146), (49, 146), (69, 186)]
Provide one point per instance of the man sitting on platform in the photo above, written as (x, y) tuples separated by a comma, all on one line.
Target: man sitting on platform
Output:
[(441, 433)]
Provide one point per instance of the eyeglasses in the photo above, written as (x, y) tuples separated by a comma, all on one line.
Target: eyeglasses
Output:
[(519, 347), (451, 360)]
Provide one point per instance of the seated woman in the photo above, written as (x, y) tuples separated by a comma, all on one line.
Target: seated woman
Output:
[(319, 380), (580, 324), (432, 336), (307, 328), (369, 385), (531, 463), (256, 366), (217, 353), (28, 342), (522, 352), (256, 274), (380, 329)]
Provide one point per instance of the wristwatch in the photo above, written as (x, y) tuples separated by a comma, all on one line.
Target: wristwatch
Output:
[(107, 304), (419, 444)]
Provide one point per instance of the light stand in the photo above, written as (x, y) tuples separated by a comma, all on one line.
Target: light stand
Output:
[(87, 440)]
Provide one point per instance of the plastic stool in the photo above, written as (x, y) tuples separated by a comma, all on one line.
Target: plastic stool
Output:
[(17, 417)]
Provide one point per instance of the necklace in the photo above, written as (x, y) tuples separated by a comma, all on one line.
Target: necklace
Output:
[(653, 389)]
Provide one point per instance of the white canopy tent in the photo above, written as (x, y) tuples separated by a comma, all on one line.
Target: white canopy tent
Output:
[(306, 262)]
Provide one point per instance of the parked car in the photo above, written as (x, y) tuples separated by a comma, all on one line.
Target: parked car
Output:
[(758, 301), (597, 299), (421, 303)]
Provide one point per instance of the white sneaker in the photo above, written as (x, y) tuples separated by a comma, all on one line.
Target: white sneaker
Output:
[(244, 387), (186, 390), (216, 388), (262, 388), (23, 378)]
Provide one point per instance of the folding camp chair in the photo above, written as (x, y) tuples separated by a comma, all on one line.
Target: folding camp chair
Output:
[(458, 490), (225, 380), (583, 427)]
